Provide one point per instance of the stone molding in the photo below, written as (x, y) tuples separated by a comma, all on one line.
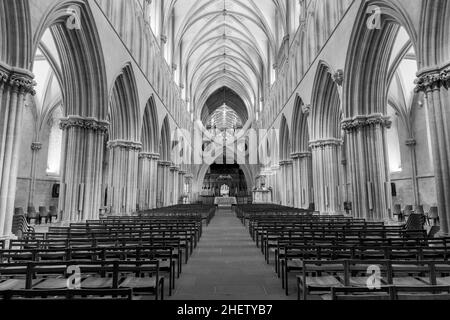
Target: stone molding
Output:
[(36, 146), (91, 124), (149, 156), (301, 155), (163, 163), (320, 144), (128, 145), (433, 79), (20, 80), (361, 122), (286, 163)]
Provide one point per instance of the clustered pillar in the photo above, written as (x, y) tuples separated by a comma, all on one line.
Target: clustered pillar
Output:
[(435, 84), (325, 168), (15, 85), (81, 178), (302, 181), (147, 177), (287, 192), (123, 171), (368, 163), (163, 183)]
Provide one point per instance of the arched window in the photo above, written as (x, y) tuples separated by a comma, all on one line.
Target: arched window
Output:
[(54, 144)]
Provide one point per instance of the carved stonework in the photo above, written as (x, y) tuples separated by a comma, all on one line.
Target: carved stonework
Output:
[(301, 155), (84, 123), (320, 144), (164, 39), (361, 122), (433, 80), (36, 146), (164, 163), (306, 109), (128, 145), (19, 79), (411, 142), (338, 77)]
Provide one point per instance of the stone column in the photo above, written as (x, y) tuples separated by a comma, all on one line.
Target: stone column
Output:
[(15, 85), (368, 165), (174, 184), (411, 143), (434, 82), (325, 168), (163, 183), (123, 166), (296, 180), (181, 179), (154, 181), (81, 176), (35, 148), (286, 185), (276, 177), (144, 180)]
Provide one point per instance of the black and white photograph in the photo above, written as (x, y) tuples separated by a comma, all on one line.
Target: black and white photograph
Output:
[(224, 158)]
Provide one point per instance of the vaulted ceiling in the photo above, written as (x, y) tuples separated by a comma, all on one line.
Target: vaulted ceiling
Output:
[(224, 43)]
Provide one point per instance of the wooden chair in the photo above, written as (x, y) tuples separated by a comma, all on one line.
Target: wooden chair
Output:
[(32, 215), (407, 211), (398, 212), (114, 294), (433, 215), (53, 213), (43, 215), (419, 210)]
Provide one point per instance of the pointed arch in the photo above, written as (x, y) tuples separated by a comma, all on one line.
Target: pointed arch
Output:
[(124, 107), (150, 127), (82, 53), (285, 141), (165, 141), (300, 128), (326, 106)]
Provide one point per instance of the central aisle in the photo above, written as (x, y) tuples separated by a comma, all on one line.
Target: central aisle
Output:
[(227, 265)]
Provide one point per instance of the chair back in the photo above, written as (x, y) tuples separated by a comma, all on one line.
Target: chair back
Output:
[(43, 211), (397, 209), (419, 210), (408, 210), (433, 214), (31, 212)]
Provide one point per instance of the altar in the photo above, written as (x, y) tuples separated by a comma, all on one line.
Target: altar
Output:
[(225, 201)]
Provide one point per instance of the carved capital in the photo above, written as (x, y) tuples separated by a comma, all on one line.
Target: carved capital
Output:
[(90, 124), (306, 109), (127, 145), (163, 163), (411, 142), (324, 143), (433, 79), (338, 77), (36, 146), (361, 122), (20, 80)]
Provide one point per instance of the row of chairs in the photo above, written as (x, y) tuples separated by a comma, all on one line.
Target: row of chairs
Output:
[(44, 215), (294, 238), (432, 216)]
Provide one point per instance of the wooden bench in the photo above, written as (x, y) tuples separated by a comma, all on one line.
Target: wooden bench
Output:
[(142, 276), (81, 294)]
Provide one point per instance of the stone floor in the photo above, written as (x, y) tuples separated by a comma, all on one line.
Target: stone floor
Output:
[(227, 265)]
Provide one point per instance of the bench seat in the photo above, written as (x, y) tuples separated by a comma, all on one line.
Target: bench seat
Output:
[(97, 283)]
